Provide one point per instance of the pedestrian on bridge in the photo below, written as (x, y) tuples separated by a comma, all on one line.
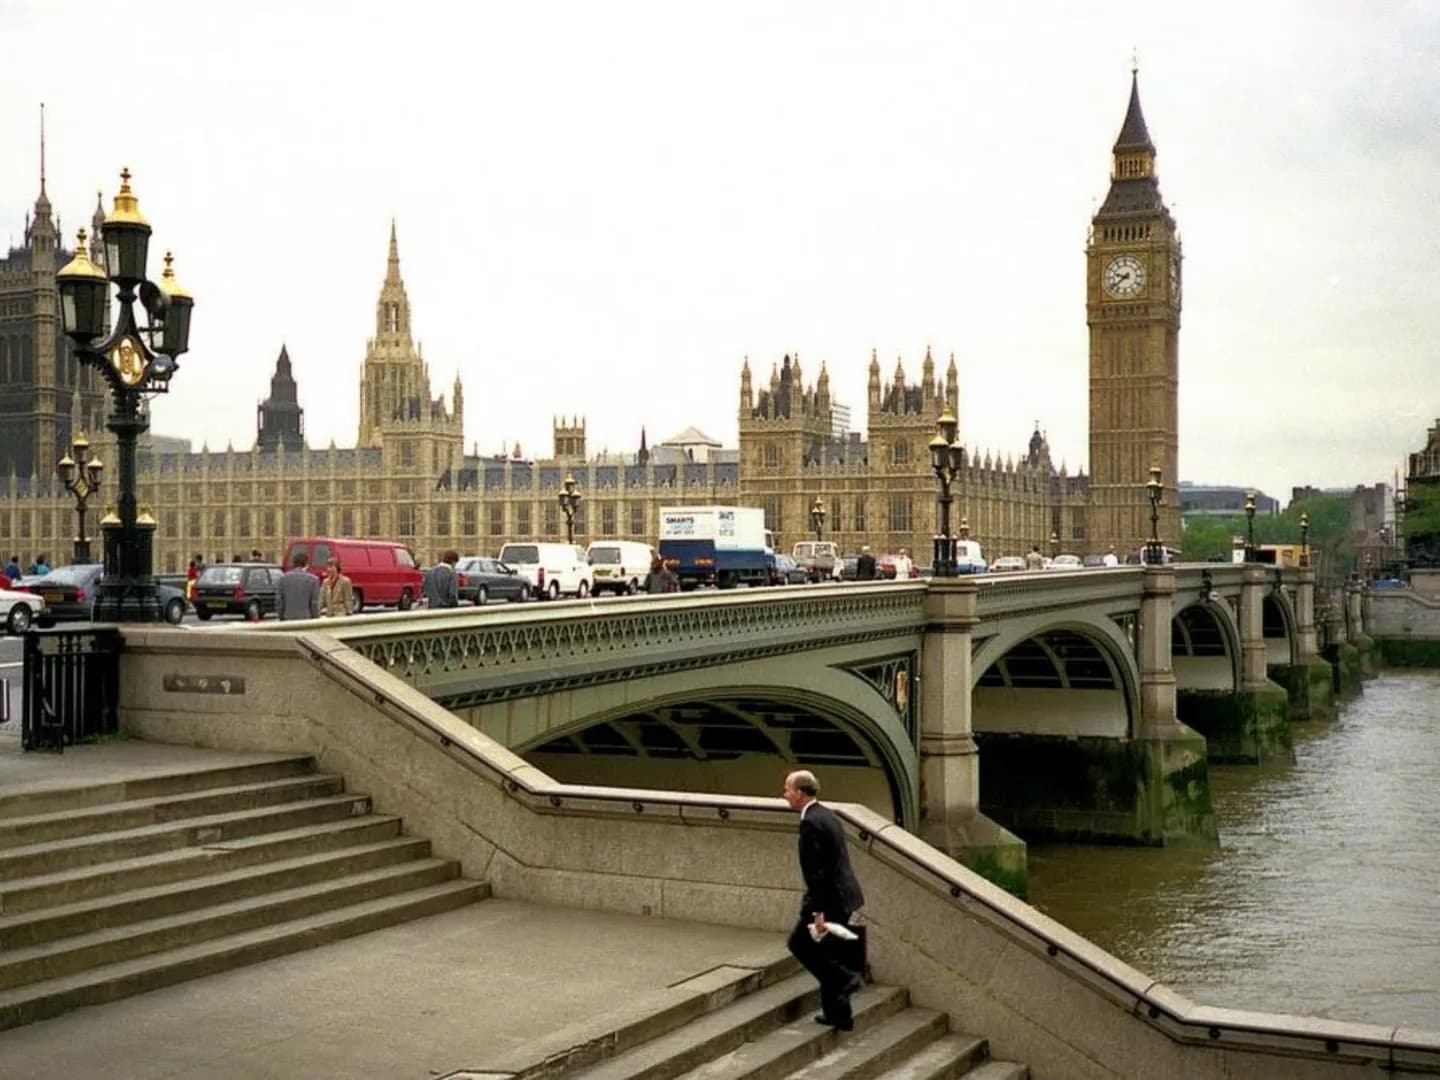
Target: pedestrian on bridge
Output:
[(865, 565), (822, 940), (337, 594), (441, 587), (298, 596)]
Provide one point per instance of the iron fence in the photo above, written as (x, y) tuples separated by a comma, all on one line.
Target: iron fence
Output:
[(71, 686)]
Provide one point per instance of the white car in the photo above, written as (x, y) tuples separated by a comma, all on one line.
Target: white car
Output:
[(19, 609), (1066, 562), (1008, 564)]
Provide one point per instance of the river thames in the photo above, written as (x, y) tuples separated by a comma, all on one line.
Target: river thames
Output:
[(1324, 897)]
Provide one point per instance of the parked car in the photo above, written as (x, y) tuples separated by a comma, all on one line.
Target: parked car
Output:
[(247, 589), (1092, 562), (818, 558), (380, 571), (19, 609), (618, 566), (788, 571), (70, 592), (1008, 564), (1065, 562), (551, 570), (849, 567), (481, 579)]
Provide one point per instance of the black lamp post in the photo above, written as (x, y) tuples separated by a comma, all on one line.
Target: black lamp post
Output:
[(1249, 526), (817, 516), (1153, 490), (569, 503), (1304, 539), (947, 457), (82, 478), (137, 362)]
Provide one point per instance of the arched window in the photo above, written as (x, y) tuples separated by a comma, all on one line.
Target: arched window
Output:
[(772, 457), (900, 453)]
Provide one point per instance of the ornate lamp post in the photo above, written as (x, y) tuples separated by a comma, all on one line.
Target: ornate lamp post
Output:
[(1153, 490), (947, 457), (1304, 539), (82, 481), (817, 516), (137, 362), (1249, 526), (569, 503)]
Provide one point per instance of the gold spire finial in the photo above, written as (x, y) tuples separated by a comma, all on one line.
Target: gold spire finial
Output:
[(127, 206), (168, 284), (80, 265)]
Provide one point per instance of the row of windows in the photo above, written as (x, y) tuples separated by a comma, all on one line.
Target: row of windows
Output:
[(1127, 232)]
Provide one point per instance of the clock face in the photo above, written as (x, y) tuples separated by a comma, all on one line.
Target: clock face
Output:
[(1124, 277)]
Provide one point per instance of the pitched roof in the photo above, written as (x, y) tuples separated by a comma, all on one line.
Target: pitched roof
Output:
[(691, 436)]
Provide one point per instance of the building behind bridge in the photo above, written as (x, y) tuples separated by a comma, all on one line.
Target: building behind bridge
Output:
[(409, 477)]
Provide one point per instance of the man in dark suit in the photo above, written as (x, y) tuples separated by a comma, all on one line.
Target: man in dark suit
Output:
[(865, 565), (832, 894)]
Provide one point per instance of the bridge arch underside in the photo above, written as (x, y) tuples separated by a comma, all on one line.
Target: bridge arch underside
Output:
[(1278, 622), (1205, 649), (734, 730)]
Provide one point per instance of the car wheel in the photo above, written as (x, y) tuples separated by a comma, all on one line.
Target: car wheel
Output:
[(203, 614), (523, 594), (19, 620), (406, 600), (582, 590), (482, 596), (253, 612), (633, 587), (554, 591), (175, 611), (357, 601)]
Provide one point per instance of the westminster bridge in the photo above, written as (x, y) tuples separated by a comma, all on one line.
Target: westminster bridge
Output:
[(1094, 700)]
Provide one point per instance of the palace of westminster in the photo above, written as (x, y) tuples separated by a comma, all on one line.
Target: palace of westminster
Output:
[(408, 476)]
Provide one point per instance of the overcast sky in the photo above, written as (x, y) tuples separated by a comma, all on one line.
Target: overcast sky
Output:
[(603, 208)]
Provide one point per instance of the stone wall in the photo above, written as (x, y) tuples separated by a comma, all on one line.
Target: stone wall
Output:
[(1040, 993)]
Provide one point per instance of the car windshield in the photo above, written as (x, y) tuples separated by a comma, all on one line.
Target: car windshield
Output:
[(520, 554), (605, 556), (220, 575), (71, 575)]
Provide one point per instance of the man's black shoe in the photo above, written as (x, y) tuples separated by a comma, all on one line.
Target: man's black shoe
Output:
[(838, 1025)]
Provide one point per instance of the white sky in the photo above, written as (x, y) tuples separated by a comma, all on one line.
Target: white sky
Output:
[(603, 208)]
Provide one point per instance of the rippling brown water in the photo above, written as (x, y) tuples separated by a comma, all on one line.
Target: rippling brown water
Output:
[(1324, 897)]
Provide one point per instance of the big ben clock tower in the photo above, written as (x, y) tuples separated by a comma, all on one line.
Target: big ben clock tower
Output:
[(1132, 288)]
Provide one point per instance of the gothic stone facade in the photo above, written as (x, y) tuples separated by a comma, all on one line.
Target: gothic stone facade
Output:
[(409, 478)]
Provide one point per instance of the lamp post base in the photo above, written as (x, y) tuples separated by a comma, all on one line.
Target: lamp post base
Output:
[(130, 600)]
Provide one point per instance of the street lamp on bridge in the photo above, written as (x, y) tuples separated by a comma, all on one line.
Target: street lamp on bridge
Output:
[(569, 503), (817, 516), (137, 363), (1153, 490), (1304, 539), (82, 478), (1249, 526), (947, 457)]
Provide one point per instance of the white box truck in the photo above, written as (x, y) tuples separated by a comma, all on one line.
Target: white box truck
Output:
[(722, 546)]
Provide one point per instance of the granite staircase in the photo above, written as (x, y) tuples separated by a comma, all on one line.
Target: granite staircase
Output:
[(114, 889), (762, 1027)]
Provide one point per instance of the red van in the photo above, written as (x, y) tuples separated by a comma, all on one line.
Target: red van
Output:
[(381, 571)]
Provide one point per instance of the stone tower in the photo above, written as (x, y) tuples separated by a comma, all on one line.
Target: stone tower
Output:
[(1132, 283), (784, 430), (569, 439), (280, 421), (901, 509), (46, 397)]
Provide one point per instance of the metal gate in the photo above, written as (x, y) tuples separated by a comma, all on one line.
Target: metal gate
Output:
[(71, 688)]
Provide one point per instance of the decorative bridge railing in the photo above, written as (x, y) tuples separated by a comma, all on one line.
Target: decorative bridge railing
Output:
[(470, 656)]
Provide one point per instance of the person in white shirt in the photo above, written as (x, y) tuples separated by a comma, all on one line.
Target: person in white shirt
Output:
[(1111, 559)]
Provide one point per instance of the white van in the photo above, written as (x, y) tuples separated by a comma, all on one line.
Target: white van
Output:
[(552, 570), (969, 559), (618, 566)]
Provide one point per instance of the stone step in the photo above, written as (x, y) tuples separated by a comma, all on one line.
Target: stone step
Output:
[(35, 829), (801, 1041), (712, 1041), (79, 952), (38, 1001), (52, 799), (861, 1055), (192, 832), (953, 1056), (31, 928), (93, 881), (713, 1033)]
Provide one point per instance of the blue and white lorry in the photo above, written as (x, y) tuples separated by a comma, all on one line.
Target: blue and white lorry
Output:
[(724, 546)]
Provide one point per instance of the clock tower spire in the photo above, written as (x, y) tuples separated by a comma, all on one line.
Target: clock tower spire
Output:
[(1132, 288)]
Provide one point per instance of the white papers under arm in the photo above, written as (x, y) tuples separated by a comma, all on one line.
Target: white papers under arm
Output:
[(839, 930)]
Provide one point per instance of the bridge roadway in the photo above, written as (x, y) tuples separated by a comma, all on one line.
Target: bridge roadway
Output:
[(1094, 698)]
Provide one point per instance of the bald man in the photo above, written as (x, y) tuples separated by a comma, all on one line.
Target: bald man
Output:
[(832, 894)]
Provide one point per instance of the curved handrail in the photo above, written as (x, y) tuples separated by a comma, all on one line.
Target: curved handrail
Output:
[(1149, 1000)]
